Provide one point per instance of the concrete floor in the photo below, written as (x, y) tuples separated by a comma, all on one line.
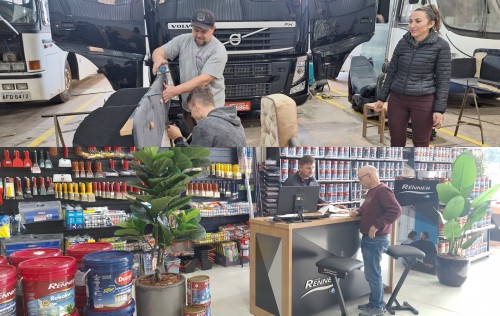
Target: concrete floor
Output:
[(230, 290), (326, 119)]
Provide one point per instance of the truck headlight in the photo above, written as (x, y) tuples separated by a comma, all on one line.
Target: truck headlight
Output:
[(300, 69), (22, 86), (18, 66), (8, 86), (298, 88)]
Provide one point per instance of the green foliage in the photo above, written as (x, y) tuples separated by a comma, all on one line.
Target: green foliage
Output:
[(162, 176), (455, 194)]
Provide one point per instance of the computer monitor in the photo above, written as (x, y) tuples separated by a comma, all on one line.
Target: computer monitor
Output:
[(292, 197)]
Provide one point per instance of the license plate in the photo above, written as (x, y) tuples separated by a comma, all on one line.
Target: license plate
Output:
[(15, 96), (241, 106)]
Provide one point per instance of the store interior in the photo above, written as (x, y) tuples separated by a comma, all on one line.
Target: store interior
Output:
[(60, 197)]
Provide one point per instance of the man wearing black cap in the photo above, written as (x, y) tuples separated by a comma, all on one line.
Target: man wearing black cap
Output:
[(202, 59)]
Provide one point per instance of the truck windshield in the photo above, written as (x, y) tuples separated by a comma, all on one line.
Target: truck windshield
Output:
[(19, 11), (471, 15), (243, 10)]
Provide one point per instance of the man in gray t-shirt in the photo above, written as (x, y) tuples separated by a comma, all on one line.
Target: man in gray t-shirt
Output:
[(202, 59)]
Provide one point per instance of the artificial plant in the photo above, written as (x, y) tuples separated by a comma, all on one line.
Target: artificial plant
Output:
[(455, 194), (161, 209)]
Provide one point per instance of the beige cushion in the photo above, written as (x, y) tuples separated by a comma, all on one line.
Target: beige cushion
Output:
[(278, 120), (479, 59)]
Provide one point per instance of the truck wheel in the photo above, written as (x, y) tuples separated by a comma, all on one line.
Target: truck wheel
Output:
[(68, 82)]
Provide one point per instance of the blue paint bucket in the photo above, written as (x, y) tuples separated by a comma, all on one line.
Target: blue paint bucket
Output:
[(127, 311), (109, 280)]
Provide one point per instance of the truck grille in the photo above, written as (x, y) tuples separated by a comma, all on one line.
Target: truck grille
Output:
[(247, 70), (269, 39), (247, 90)]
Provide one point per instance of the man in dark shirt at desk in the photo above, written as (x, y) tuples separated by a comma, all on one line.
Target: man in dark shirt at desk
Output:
[(304, 176)]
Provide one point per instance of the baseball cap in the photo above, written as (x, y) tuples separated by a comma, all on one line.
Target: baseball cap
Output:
[(203, 18)]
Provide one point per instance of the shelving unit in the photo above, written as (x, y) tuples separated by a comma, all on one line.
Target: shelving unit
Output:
[(336, 168)]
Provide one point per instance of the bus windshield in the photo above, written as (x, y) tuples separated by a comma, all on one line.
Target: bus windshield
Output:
[(19, 11), (471, 15)]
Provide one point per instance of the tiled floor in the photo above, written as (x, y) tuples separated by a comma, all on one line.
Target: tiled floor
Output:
[(230, 288)]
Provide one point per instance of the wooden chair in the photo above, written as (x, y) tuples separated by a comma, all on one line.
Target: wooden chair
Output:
[(382, 118)]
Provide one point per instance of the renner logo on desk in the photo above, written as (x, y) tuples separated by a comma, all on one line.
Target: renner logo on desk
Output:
[(318, 284)]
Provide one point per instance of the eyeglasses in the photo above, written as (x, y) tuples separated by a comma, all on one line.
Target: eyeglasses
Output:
[(361, 177)]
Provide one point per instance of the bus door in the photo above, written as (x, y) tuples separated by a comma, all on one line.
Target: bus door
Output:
[(110, 33), (336, 28)]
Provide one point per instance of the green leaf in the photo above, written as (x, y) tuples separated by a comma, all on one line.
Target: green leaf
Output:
[(485, 196), (146, 155), (452, 230), (464, 173), (127, 232), (454, 208), (477, 215), (160, 205), (471, 241), (161, 165), (178, 203), (446, 191), (466, 209)]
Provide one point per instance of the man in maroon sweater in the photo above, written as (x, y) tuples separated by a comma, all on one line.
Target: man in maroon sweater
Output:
[(378, 212)]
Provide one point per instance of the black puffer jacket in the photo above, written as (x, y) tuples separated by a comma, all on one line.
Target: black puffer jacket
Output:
[(421, 69)]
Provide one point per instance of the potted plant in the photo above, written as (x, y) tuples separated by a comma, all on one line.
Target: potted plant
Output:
[(452, 267), (161, 211)]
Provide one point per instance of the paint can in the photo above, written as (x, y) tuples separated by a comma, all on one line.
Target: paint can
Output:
[(49, 286), (109, 279), (3, 260), (194, 311), (127, 311), (198, 290), (8, 281)]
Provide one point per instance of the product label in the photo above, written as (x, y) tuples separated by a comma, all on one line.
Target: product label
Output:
[(108, 291), (60, 303), (8, 302)]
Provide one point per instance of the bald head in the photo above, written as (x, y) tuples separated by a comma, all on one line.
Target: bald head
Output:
[(368, 176)]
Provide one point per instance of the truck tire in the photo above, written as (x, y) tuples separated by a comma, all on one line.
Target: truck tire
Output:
[(68, 83)]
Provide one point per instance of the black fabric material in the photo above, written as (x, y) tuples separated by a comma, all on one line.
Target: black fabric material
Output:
[(428, 248), (490, 68), (102, 127), (463, 67), (340, 264), (363, 77), (127, 96), (421, 69), (403, 251)]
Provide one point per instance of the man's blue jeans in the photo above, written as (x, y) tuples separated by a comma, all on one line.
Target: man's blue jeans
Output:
[(372, 250)]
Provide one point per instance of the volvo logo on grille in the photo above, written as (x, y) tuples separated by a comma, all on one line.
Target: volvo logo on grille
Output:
[(235, 39)]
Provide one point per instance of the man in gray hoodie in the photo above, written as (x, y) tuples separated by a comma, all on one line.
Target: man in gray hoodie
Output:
[(216, 127)]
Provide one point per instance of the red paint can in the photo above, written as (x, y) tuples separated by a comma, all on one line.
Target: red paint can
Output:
[(194, 311), (49, 286), (8, 280), (198, 290), (3, 260)]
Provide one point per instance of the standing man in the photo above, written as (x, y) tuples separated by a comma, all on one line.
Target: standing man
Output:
[(202, 59), (304, 176), (378, 212)]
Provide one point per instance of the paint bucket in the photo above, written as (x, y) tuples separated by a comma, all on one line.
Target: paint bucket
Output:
[(49, 286), (8, 280), (198, 290), (208, 310), (194, 311), (19, 256), (22, 255), (78, 251), (109, 279), (3, 260), (127, 311)]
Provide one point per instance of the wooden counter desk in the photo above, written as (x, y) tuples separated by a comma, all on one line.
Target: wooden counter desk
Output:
[(284, 279)]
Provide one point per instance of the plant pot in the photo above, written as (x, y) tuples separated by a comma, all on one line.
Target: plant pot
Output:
[(452, 271), (165, 300)]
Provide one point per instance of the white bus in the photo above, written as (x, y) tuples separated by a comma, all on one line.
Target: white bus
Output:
[(32, 66), (466, 25)]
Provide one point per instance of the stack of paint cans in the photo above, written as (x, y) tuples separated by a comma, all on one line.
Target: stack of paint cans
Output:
[(49, 286), (198, 297), (78, 251), (109, 281), (19, 256)]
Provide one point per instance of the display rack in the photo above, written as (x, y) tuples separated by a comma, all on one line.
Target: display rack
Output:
[(336, 168)]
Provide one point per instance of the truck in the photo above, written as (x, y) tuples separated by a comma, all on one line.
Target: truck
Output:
[(32, 66), (270, 43)]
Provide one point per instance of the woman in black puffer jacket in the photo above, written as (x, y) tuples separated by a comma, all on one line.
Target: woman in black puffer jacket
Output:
[(417, 79)]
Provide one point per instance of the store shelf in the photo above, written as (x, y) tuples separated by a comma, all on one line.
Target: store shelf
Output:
[(480, 256), (346, 158), (479, 229)]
